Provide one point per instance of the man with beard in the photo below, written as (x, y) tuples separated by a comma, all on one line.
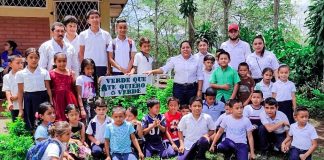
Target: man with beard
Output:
[(57, 45), (238, 49)]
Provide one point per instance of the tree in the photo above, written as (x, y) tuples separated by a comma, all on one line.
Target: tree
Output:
[(276, 13), (226, 5), (188, 9)]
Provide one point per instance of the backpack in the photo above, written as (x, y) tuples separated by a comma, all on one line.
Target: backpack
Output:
[(114, 49), (37, 151), (93, 127)]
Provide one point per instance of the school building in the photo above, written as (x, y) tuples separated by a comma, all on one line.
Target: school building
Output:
[(27, 22)]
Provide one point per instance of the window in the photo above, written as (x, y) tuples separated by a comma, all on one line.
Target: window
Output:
[(23, 3)]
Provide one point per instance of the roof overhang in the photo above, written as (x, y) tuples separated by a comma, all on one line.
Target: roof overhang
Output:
[(116, 7)]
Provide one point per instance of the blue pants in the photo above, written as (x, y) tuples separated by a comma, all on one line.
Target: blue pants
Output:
[(268, 138), (286, 107), (169, 148), (123, 156), (197, 150), (228, 147), (14, 114), (98, 151), (117, 73), (159, 149), (101, 70), (295, 152), (184, 92), (32, 100)]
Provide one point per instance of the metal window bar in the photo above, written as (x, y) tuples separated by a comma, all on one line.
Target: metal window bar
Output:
[(23, 3), (77, 8)]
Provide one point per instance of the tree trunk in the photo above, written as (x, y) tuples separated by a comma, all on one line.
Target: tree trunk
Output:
[(226, 5), (276, 13), (191, 29)]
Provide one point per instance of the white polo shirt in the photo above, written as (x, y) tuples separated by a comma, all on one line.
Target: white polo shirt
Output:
[(236, 128), (95, 45), (283, 90), (75, 42), (201, 56), (257, 63), (186, 70), (252, 113), (206, 83), (302, 137), (238, 52), (195, 129), (266, 89), (10, 84), (142, 63), (100, 128), (48, 49), (280, 116), (33, 82), (121, 52)]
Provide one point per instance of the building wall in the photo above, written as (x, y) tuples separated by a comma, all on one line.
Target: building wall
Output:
[(29, 26)]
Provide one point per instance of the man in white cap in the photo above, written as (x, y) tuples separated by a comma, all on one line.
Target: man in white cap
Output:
[(238, 49)]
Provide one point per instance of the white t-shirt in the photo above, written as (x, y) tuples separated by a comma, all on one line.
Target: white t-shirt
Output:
[(236, 128), (251, 113), (142, 63), (53, 150), (238, 52), (283, 90), (100, 128), (95, 45), (257, 63), (206, 83), (10, 84), (195, 129), (121, 52), (33, 81), (266, 90), (302, 137), (87, 85), (280, 116)]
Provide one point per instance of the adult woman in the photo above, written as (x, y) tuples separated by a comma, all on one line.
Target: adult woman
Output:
[(9, 49), (260, 59), (188, 76)]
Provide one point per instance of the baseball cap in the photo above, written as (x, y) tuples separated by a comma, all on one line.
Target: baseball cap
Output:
[(233, 26)]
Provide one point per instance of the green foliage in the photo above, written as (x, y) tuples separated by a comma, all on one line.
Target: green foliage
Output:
[(5, 104), (188, 7), (208, 30), (315, 24), (5, 114), (139, 101), (14, 146)]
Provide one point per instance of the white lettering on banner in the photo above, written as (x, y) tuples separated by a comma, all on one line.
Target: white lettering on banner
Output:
[(124, 85)]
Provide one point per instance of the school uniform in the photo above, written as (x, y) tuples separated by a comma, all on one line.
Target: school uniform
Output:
[(187, 73), (236, 137), (238, 52), (266, 89), (97, 130), (49, 48), (142, 62), (121, 56), (194, 143), (10, 84), (277, 136), (153, 140), (214, 110), (76, 45), (253, 114), (258, 63), (284, 91), (96, 48), (34, 92), (201, 57), (224, 76), (301, 140), (206, 83)]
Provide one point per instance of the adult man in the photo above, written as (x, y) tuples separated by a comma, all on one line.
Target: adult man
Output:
[(238, 49), (94, 42), (55, 45)]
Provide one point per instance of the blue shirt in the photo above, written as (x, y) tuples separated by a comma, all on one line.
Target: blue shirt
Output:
[(215, 110), (154, 137), (119, 137), (5, 57), (41, 132)]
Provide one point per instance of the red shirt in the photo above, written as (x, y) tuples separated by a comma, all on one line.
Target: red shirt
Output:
[(172, 122)]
